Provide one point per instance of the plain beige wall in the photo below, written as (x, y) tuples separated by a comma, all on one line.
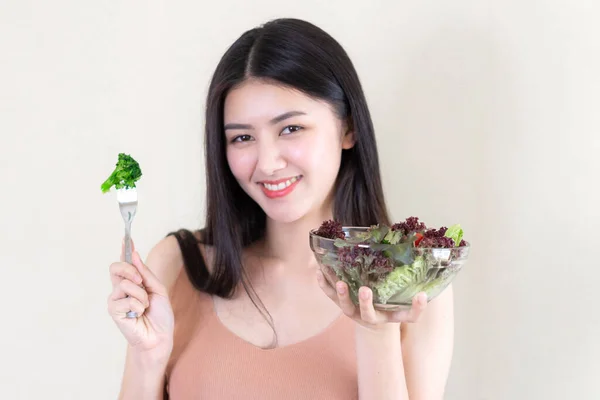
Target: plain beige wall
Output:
[(486, 114)]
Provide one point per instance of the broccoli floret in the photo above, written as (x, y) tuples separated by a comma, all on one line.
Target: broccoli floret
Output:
[(127, 172)]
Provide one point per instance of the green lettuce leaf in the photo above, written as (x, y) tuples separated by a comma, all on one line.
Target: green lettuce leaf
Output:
[(378, 233), (402, 278), (455, 232), (392, 237)]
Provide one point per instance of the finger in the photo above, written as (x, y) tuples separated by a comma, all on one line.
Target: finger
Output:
[(149, 280), (116, 294), (119, 271), (326, 287), (344, 300), (123, 306), (367, 311), (123, 249), (128, 288), (419, 303)]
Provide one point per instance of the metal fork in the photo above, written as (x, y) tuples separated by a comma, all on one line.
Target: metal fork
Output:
[(128, 201)]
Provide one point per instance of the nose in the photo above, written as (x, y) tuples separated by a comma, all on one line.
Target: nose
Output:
[(270, 157)]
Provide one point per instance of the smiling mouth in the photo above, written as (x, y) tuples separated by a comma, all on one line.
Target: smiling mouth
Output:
[(279, 188)]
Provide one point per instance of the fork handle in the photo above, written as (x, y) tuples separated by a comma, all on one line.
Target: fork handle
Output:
[(128, 249), (128, 258)]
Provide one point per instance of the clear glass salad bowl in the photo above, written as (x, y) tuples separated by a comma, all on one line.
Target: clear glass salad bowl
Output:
[(394, 278)]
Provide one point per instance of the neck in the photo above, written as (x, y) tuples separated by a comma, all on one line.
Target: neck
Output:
[(288, 242)]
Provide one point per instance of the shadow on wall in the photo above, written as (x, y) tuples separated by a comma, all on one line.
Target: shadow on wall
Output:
[(447, 118)]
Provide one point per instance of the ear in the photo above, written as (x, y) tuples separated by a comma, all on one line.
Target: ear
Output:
[(348, 140)]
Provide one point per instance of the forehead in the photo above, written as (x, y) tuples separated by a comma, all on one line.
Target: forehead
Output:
[(257, 100)]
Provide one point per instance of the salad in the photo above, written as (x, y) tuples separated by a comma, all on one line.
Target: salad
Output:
[(396, 262)]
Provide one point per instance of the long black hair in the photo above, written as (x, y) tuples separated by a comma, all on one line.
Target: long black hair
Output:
[(297, 54)]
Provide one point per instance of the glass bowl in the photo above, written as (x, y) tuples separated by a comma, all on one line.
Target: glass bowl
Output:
[(393, 283)]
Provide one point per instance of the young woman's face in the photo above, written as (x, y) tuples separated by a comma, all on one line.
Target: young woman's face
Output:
[(283, 147)]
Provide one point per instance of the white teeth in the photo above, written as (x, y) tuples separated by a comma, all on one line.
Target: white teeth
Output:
[(280, 186)]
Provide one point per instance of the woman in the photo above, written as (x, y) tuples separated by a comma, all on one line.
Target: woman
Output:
[(239, 309)]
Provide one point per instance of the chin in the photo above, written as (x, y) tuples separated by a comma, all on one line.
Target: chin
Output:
[(285, 215)]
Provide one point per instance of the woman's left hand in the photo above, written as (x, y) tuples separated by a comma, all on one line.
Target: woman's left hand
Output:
[(365, 314)]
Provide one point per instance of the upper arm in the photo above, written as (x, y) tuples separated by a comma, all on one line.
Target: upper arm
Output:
[(427, 347)]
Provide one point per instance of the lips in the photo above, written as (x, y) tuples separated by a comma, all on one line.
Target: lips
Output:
[(281, 187)]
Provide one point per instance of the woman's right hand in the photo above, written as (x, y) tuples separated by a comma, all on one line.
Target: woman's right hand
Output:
[(151, 333)]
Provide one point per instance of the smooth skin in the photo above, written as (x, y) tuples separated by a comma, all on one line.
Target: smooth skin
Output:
[(273, 133)]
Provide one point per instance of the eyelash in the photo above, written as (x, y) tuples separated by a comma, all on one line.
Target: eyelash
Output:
[(296, 128), (236, 139)]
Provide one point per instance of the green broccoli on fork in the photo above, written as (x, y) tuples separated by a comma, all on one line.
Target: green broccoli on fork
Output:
[(127, 172)]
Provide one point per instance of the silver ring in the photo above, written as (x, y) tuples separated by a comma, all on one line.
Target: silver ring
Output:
[(132, 314)]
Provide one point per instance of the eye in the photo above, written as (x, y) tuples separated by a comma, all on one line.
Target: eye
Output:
[(241, 138), (290, 129)]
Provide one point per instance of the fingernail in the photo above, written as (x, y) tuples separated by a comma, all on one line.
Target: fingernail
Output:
[(341, 289), (364, 294)]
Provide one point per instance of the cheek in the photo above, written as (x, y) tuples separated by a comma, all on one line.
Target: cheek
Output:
[(318, 155), (298, 155), (241, 162)]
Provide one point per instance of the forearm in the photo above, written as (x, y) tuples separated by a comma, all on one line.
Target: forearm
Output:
[(379, 359), (143, 377)]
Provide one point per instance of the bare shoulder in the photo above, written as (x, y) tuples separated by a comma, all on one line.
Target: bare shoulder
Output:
[(165, 261), (166, 258)]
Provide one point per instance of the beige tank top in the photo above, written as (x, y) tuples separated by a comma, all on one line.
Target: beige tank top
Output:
[(210, 362)]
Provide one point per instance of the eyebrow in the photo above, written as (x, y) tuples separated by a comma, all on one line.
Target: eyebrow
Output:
[(273, 121)]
